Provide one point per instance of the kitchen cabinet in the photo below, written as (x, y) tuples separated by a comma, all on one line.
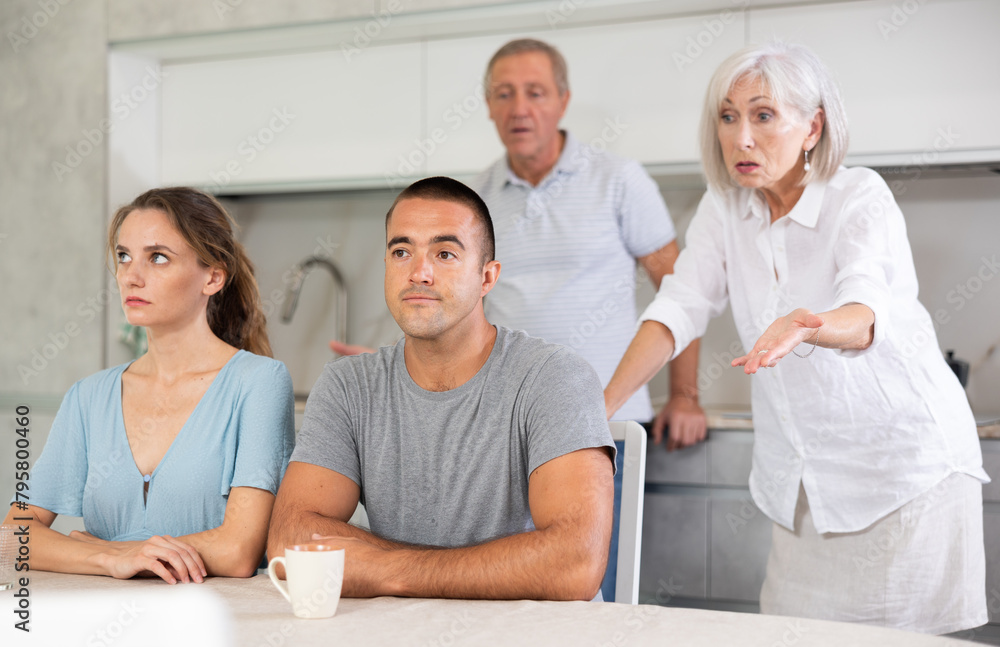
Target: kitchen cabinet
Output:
[(296, 118), (704, 540), (918, 78), (396, 110)]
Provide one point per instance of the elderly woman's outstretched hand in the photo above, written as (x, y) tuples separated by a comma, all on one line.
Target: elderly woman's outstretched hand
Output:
[(779, 339)]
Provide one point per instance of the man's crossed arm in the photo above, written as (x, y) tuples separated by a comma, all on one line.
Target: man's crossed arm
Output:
[(564, 558)]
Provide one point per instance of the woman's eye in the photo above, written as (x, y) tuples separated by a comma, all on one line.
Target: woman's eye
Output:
[(158, 258), (727, 119), (123, 257), (765, 116)]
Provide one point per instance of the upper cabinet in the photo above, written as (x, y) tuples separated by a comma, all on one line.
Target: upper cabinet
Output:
[(292, 119), (917, 78)]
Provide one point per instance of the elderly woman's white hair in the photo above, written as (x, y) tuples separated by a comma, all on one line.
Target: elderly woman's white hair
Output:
[(795, 77)]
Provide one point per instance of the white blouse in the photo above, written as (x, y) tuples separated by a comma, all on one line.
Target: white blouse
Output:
[(864, 431)]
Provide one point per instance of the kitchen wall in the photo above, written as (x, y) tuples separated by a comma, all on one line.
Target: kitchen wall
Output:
[(52, 209)]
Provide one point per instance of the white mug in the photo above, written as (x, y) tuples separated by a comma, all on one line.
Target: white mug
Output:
[(315, 575)]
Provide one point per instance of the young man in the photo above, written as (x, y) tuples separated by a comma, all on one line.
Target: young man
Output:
[(482, 455)]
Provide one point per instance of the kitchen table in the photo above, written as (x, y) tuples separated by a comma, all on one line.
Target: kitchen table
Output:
[(93, 610)]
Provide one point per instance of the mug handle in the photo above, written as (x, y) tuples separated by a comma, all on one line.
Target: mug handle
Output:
[(274, 578)]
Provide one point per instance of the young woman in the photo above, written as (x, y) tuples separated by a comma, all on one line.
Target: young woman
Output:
[(172, 460)]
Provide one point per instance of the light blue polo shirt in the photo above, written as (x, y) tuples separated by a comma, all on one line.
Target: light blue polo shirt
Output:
[(568, 251), (241, 433)]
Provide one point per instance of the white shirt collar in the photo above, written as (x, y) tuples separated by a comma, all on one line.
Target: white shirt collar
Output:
[(805, 212)]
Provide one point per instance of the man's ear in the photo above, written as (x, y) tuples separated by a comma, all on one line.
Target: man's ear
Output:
[(491, 273), (565, 102)]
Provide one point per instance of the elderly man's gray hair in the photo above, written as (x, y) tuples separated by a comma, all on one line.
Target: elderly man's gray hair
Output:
[(796, 78), (524, 45)]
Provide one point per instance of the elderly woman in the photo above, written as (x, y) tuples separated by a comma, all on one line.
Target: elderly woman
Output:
[(172, 460), (866, 456)]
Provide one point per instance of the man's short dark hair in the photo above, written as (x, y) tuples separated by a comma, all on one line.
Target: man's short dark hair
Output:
[(449, 190)]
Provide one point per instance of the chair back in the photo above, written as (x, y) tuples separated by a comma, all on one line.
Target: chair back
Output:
[(631, 439)]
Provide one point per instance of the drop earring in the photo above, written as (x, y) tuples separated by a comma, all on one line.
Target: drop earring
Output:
[(807, 167)]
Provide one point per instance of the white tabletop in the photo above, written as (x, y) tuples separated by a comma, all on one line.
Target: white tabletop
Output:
[(92, 610)]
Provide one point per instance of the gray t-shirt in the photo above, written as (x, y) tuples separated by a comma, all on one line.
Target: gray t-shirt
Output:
[(451, 468)]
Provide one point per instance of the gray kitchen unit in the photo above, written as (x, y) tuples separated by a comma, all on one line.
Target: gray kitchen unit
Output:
[(705, 544)]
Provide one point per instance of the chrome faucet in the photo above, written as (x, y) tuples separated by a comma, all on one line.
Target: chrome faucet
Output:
[(295, 288)]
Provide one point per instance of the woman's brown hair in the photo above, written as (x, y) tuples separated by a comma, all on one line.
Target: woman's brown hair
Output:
[(234, 313)]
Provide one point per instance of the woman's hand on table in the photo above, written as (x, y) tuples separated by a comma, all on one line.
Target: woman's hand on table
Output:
[(163, 556), (779, 339)]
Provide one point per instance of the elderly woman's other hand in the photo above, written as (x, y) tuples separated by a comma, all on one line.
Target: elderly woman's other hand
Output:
[(780, 338)]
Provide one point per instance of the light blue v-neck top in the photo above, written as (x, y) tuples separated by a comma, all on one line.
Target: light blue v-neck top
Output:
[(241, 434)]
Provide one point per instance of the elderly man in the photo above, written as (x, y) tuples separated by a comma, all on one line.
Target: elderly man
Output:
[(571, 222), (481, 454)]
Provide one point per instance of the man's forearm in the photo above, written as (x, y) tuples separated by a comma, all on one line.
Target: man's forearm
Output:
[(298, 527), (551, 564)]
